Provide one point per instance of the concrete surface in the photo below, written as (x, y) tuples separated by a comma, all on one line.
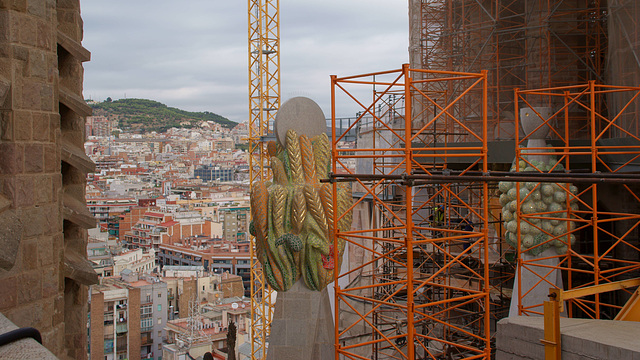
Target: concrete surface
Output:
[(519, 338), (302, 327), (22, 349)]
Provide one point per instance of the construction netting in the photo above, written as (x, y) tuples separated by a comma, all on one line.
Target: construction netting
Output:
[(623, 61)]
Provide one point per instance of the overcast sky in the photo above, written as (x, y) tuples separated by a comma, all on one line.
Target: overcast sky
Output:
[(193, 54)]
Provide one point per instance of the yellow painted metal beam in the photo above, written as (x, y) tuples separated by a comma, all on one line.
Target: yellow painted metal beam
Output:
[(631, 310), (592, 290), (555, 305), (551, 341)]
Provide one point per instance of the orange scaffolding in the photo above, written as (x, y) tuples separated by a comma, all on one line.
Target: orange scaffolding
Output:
[(417, 280), (522, 44), (595, 151)]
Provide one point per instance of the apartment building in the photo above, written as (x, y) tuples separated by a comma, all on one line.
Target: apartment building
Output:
[(216, 256), (155, 228), (205, 330), (100, 256), (235, 220), (127, 316), (105, 208), (98, 126), (214, 173), (136, 260), (110, 260), (190, 283), (127, 220)]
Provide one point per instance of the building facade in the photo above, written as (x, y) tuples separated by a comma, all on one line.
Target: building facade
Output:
[(235, 220), (216, 257), (214, 173), (104, 209), (127, 318)]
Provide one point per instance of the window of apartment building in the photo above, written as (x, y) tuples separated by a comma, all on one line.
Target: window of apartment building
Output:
[(159, 295), (160, 333), (145, 310), (159, 346), (159, 307), (148, 298), (159, 321), (108, 318), (146, 323)]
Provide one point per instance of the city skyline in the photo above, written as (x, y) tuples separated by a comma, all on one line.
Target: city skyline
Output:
[(194, 57)]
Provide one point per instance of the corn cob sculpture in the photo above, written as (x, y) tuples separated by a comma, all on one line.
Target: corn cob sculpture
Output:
[(293, 217)]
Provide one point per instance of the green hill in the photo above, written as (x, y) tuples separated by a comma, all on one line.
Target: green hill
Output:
[(148, 115)]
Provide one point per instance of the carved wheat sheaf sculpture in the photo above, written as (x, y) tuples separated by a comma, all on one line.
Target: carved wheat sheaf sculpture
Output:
[(293, 217)]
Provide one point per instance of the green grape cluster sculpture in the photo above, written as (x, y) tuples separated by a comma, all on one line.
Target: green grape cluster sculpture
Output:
[(292, 216), (546, 203)]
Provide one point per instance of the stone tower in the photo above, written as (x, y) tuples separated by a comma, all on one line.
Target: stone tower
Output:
[(43, 216)]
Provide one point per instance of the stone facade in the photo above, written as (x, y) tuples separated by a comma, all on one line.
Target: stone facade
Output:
[(43, 267)]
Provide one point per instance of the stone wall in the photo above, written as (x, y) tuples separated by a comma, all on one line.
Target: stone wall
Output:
[(43, 267)]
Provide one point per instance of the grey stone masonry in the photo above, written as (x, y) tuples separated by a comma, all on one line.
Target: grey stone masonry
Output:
[(302, 326)]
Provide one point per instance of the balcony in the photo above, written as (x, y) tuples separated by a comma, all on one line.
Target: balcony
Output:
[(121, 328)]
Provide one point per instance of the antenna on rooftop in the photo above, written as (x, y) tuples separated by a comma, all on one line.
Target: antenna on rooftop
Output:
[(194, 333)]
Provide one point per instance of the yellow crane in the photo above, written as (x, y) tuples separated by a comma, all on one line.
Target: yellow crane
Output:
[(264, 101)]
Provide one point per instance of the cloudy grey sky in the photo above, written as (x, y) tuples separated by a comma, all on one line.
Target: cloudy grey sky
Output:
[(192, 54)]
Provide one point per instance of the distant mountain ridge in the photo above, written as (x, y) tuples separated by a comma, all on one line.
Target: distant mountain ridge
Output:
[(149, 115)]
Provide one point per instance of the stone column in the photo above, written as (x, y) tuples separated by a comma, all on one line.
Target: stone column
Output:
[(302, 326), (529, 276)]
